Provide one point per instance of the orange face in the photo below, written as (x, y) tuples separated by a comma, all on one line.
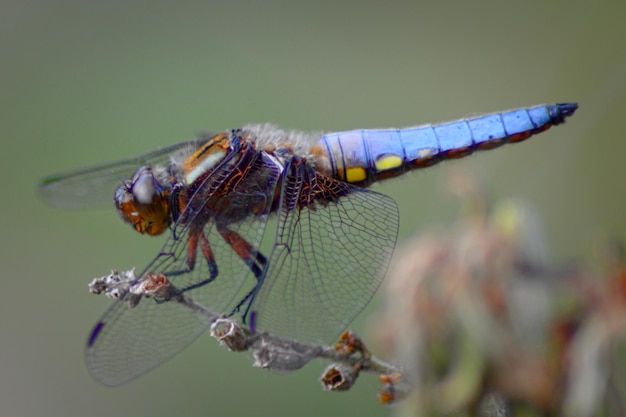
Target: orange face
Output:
[(143, 201)]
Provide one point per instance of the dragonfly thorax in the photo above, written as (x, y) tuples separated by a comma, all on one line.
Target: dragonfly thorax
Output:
[(143, 201)]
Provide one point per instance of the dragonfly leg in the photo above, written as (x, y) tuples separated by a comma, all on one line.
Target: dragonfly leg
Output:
[(247, 302), (196, 237), (255, 260)]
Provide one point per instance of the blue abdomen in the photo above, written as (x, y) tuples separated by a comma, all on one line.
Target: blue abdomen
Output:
[(365, 156)]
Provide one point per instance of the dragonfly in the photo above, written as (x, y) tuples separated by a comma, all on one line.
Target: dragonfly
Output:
[(330, 240)]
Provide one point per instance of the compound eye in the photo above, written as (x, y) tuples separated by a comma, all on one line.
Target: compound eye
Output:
[(144, 189), (144, 203)]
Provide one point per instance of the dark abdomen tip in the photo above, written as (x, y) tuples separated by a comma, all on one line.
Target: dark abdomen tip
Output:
[(560, 111)]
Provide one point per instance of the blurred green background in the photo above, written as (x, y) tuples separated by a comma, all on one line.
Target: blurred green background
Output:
[(82, 82)]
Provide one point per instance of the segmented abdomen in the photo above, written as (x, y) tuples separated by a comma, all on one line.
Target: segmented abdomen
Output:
[(365, 156)]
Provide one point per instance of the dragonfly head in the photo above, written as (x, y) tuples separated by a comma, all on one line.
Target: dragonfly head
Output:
[(143, 201)]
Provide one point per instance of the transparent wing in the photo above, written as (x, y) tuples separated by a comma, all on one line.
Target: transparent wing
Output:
[(242, 211), (93, 186), (129, 342), (329, 257)]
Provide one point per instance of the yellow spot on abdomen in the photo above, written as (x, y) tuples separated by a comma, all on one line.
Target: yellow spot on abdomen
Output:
[(355, 174), (387, 162)]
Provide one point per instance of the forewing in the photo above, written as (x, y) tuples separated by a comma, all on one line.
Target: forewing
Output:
[(328, 260), (93, 186), (232, 212), (133, 341), (127, 343)]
